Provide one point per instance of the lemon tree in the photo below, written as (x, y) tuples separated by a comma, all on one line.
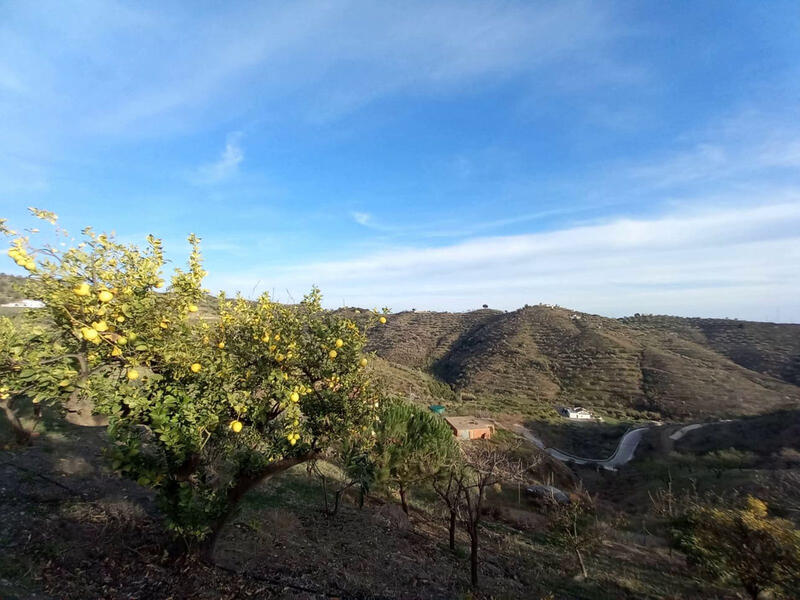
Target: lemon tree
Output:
[(199, 408), (743, 544)]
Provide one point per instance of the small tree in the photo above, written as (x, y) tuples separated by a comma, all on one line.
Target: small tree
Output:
[(574, 527), (447, 485), (484, 466), (358, 470), (743, 544), (411, 446)]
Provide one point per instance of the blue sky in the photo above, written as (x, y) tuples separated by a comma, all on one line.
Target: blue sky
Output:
[(609, 157)]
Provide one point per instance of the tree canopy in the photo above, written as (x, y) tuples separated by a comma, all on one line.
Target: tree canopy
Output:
[(199, 407)]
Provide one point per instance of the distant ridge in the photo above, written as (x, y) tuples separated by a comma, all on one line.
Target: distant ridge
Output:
[(661, 367)]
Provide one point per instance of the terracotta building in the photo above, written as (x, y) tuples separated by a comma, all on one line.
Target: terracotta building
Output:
[(470, 428)]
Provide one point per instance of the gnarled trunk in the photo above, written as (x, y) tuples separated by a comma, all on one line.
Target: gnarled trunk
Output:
[(237, 492)]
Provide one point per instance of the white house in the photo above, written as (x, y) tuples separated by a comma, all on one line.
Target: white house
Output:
[(575, 412), (24, 304)]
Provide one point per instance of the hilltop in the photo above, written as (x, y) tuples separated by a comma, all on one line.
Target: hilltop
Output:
[(650, 367)]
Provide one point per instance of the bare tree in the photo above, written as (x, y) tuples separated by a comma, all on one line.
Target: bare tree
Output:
[(358, 470), (484, 466), (575, 527), (447, 485)]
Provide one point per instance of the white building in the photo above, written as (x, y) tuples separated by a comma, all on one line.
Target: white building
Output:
[(575, 412), (24, 304)]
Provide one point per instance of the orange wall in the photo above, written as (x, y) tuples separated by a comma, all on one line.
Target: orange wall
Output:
[(480, 433)]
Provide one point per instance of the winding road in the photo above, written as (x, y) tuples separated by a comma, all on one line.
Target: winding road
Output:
[(623, 454)]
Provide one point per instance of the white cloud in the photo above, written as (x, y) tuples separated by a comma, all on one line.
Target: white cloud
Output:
[(361, 218), (226, 166), (744, 145), (739, 262), (324, 59)]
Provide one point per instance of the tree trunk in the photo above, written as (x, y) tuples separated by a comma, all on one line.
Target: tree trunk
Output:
[(753, 590), (243, 486), (403, 499), (21, 435), (473, 559), (580, 562), (452, 530)]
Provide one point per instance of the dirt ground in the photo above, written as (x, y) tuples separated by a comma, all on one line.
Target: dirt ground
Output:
[(72, 529)]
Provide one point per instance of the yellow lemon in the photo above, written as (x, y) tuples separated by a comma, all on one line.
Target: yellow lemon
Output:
[(100, 326), (339, 343), (105, 296), (120, 319), (295, 397), (196, 367), (363, 362), (133, 374), (382, 319), (82, 290), (192, 308), (116, 352), (332, 353), (236, 426), (221, 345), (89, 334), (132, 336)]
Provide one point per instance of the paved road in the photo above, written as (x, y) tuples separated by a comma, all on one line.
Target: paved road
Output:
[(684, 430), (626, 448)]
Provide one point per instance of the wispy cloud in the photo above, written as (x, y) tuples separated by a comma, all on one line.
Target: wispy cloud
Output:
[(310, 54), (748, 144), (226, 166), (676, 263), (361, 218)]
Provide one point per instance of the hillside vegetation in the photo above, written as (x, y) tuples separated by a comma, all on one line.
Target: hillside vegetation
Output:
[(668, 368), (8, 293), (527, 361), (769, 348)]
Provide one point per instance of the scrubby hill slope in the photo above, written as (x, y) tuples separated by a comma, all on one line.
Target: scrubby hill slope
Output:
[(7, 291), (769, 348), (545, 355)]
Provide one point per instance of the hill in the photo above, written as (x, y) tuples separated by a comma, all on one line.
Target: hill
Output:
[(7, 291), (542, 356), (769, 348), (527, 361)]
